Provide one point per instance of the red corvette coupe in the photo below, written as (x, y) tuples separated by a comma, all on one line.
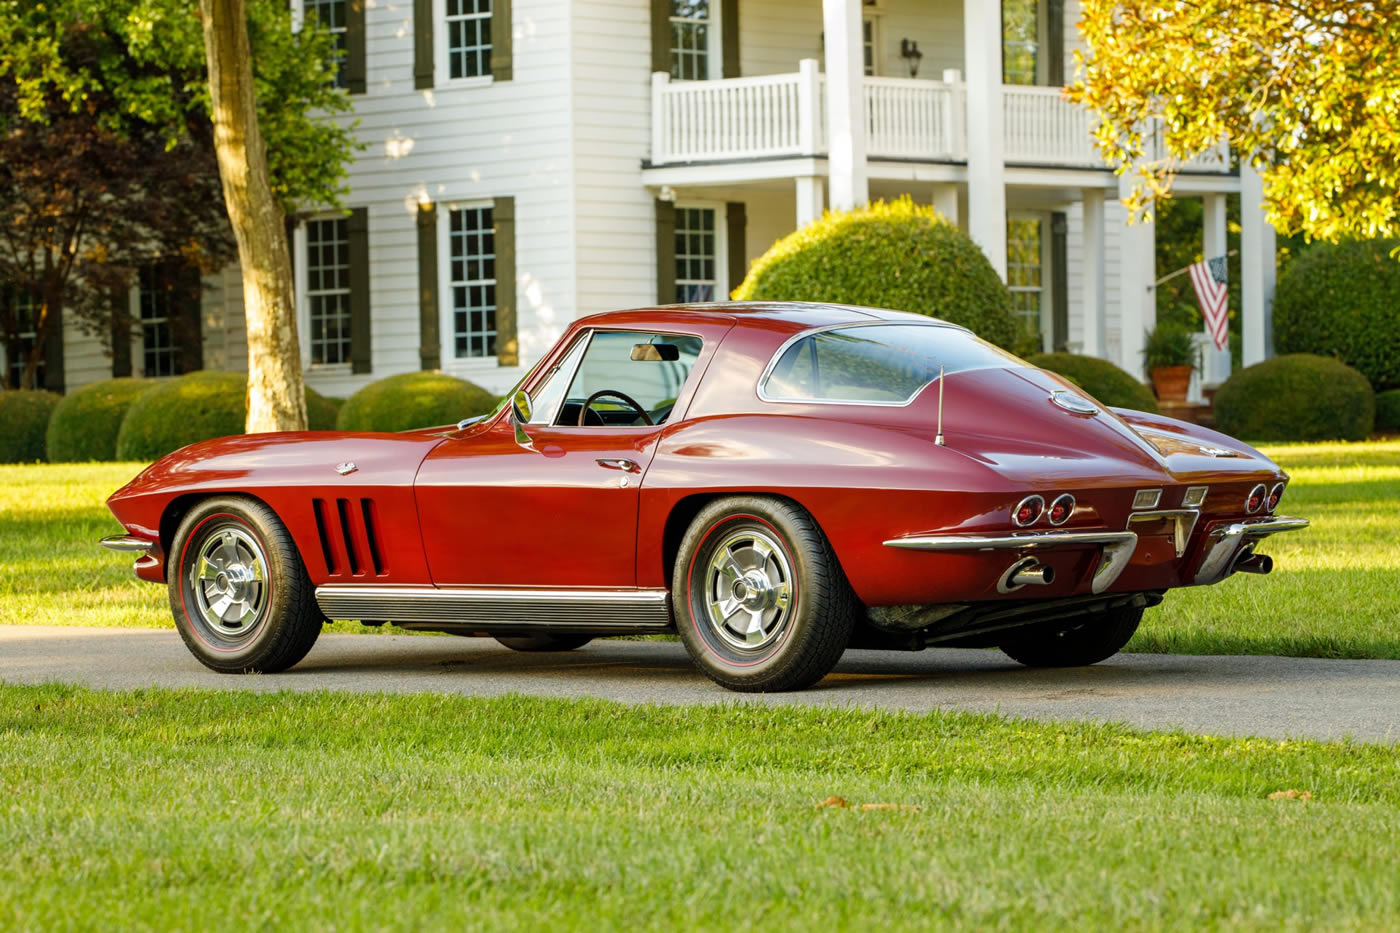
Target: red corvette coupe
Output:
[(774, 482)]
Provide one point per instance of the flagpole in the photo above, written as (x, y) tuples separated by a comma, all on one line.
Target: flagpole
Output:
[(1171, 275)]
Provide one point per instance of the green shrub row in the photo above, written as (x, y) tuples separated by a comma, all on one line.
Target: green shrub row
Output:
[(1388, 411), (139, 419), (1297, 397)]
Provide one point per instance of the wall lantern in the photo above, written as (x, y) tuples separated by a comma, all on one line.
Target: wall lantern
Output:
[(909, 51)]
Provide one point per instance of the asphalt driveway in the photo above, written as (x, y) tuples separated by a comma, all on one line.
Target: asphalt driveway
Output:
[(1263, 696)]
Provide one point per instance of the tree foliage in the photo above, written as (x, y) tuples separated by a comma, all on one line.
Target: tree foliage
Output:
[(1308, 91)]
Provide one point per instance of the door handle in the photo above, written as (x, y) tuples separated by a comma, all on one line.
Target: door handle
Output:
[(611, 463)]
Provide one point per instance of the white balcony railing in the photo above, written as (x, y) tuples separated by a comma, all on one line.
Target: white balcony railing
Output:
[(773, 116)]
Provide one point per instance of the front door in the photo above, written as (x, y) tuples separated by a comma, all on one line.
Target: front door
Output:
[(556, 505)]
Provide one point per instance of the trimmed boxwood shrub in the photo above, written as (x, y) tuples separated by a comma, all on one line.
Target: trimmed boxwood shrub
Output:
[(1112, 386), (413, 400), (321, 411), (888, 255), (196, 407), (1299, 397), (24, 417), (84, 426), (1388, 411), (1343, 301)]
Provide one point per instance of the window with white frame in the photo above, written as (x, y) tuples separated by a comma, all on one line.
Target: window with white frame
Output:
[(697, 254), (1025, 271), (867, 44), (330, 14), (156, 301), (24, 305), (692, 32), (1021, 41), (472, 281), (328, 290), (468, 38)]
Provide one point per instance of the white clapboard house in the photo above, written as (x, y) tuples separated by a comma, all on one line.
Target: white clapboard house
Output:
[(531, 161)]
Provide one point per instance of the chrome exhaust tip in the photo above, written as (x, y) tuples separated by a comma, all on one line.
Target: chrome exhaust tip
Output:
[(1025, 572), (1254, 563)]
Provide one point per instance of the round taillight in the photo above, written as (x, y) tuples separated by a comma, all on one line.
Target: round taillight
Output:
[(1027, 511), (1275, 494), (1061, 509), (1255, 502)]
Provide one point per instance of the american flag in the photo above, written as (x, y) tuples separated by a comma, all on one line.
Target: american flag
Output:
[(1209, 279)]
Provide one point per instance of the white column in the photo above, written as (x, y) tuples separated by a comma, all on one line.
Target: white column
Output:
[(986, 182), (845, 103), (945, 201), (1215, 364), (810, 196), (1095, 309), (1138, 310), (1256, 269)]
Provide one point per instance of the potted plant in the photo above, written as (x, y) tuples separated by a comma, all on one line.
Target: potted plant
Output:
[(1170, 356)]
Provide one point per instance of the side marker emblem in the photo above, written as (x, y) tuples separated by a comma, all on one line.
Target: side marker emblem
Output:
[(345, 468)]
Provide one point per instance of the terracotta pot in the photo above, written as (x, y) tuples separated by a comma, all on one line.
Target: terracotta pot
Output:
[(1171, 382)]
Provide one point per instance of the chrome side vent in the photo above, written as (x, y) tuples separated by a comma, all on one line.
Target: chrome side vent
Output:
[(318, 506)]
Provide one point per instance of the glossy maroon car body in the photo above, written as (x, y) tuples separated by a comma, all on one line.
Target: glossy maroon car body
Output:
[(473, 507)]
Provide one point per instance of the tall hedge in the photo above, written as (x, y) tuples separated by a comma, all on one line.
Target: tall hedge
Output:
[(1112, 386), (897, 255), (1388, 411), (413, 400), (85, 424), (24, 417), (1298, 397), (1343, 301), (196, 407)]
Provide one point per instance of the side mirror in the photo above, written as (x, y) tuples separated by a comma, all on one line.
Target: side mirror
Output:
[(521, 407)]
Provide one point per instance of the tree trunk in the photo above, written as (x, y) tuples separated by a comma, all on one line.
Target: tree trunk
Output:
[(276, 395)]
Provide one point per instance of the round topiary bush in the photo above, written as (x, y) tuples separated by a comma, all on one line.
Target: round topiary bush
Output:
[(1388, 412), (1343, 301), (196, 407), (1299, 397), (24, 417), (84, 426), (1100, 378), (413, 400), (888, 255)]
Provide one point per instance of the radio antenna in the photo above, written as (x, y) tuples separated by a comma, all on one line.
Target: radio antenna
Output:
[(938, 439)]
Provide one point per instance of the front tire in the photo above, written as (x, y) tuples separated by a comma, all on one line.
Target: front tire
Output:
[(760, 600), (241, 597), (1084, 641)]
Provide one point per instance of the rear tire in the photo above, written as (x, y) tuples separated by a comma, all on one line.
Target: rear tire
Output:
[(543, 642), (1074, 642), (761, 602), (238, 590)]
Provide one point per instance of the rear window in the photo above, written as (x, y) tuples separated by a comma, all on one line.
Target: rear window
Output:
[(877, 364)]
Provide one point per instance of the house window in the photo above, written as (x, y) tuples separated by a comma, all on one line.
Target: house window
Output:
[(328, 290), (692, 28), (867, 44), (331, 15), (1025, 271), (468, 38), (472, 284), (697, 254), (1020, 55), (156, 300), (24, 306)]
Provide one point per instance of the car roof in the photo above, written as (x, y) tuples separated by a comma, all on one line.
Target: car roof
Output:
[(800, 315)]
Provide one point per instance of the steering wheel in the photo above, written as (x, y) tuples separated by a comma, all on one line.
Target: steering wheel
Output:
[(583, 412)]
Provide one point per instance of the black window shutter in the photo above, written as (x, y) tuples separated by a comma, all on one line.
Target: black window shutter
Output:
[(189, 329), (357, 230), (1055, 39), (422, 44), (665, 252), (1059, 282), (736, 221), (661, 35), (502, 67), (429, 345), (507, 342), (121, 332), (355, 46), (53, 352), (729, 37)]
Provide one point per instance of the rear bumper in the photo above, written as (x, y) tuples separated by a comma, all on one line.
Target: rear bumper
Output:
[(1226, 545), (1117, 547)]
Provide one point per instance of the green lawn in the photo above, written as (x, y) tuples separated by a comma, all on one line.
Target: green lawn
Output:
[(191, 809), (1335, 592)]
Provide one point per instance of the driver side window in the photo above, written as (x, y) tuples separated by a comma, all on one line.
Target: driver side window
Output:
[(626, 373)]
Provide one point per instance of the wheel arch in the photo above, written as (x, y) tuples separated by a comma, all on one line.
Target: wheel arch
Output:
[(683, 513), (177, 508)]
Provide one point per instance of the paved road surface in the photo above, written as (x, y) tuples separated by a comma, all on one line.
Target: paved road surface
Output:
[(1274, 697)]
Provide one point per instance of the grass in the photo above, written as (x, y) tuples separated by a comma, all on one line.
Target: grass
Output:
[(1335, 592), (186, 809)]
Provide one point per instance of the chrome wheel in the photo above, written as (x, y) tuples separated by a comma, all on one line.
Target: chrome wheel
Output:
[(749, 590), (229, 580)]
